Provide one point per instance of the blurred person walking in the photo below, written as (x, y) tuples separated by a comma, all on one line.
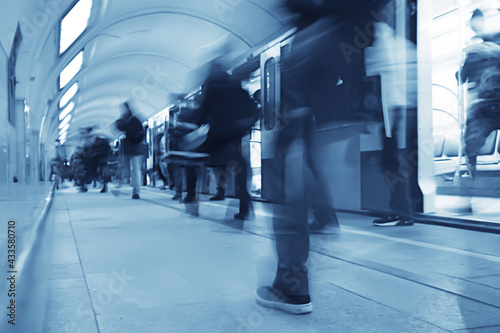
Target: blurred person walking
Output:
[(134, 146), (481, 72), (230, 112), (101, 153), (326, 47), (394, 58)]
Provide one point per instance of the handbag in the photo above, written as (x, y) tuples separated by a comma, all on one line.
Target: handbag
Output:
[(194, 139)]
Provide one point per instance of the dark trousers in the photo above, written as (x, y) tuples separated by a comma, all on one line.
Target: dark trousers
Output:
[(157, 168), (314, 60), (241, 186), (394, 173), (103, 172), (191, 181), (178, 178)]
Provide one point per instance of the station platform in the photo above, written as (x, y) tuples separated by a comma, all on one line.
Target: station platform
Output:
[(123, 265)]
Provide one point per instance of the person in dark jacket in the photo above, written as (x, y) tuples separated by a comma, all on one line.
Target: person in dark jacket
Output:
[(134, 146), (223, 107), (187, 120), (100, 155)]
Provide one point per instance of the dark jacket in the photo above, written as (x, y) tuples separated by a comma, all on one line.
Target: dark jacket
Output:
[(133, 144), (101, 150), (222, 108)]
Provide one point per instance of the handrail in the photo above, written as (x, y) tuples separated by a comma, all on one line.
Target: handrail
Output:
[(32, 303), (462, 132), (449, 114)]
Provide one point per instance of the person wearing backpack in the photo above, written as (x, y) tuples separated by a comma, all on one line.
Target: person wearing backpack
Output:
[(134, 147)]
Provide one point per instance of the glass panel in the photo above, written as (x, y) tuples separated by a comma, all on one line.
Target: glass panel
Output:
[(270, 94), (68, 95), (256, 181), (71, 70), (255, 136), (255, 155), (74, 24)]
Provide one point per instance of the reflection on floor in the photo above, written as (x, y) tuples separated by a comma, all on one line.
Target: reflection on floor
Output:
[(471, 208), (122, 265)]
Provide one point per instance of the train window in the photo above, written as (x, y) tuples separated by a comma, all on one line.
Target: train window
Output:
[(285, 51), (270, 94)]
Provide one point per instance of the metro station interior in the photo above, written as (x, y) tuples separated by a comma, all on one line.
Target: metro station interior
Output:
[(80, 255)]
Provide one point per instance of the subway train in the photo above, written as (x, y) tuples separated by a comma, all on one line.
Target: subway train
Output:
[(350, 151), (262, 71)]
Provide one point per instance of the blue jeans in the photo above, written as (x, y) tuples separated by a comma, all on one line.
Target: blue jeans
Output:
[(136, 173), (316, 58)]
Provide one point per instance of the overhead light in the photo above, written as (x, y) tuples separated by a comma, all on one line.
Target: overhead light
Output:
[(68, 95), (74, 24), (64, 129), (71, 70), (66, 110), (62, 138), (65, 121)]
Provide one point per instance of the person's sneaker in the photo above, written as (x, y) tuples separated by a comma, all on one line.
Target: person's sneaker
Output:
[(317, 227), (177, 196), (104, 189), (189, 199), (240, 216), (217, 197), (135, 196), (392, 221), (273, 298)]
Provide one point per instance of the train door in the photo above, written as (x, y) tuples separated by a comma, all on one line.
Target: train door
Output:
[(383, 181), (271, 165), (451, 29), (251, 145)]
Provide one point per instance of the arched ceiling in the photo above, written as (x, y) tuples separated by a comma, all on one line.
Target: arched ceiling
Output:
[(146, 51)]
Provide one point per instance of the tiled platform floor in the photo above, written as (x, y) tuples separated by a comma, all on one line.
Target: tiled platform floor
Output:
[(122, 265)]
